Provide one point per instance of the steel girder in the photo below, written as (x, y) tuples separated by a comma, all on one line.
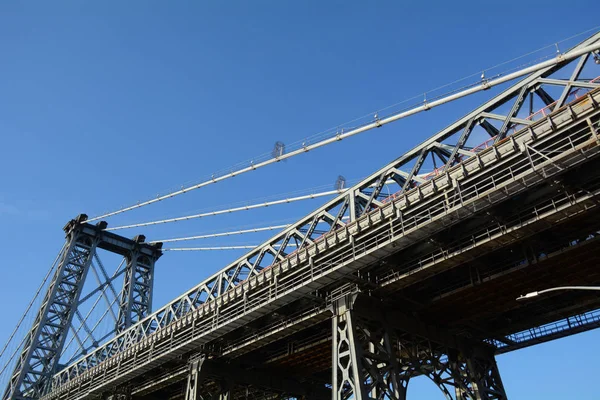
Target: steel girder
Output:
[(375, 354), (44, 343), (545, 333)]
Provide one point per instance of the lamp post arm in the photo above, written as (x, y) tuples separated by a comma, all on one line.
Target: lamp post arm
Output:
[(535, 294), (569, 288)]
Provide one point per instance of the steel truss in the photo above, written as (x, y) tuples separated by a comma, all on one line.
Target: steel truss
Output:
[(45, 341), (445, 149), (362, 225), (490, 177), (375, 359)]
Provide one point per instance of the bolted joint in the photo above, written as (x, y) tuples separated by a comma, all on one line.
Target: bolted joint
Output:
[(139, 238), (72, 224), (101, 225)]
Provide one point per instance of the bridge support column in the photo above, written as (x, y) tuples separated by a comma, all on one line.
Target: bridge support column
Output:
[(136, 296), (194, 382), (364, 362), (483, 378), (458, 375), (376, 351), (197, 374), (43, 344)]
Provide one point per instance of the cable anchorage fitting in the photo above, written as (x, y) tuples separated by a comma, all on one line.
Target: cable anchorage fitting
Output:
[(485, 83), (426, 105)]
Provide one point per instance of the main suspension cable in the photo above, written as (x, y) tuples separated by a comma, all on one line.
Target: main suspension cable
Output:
[(221, 234), (230, 210)]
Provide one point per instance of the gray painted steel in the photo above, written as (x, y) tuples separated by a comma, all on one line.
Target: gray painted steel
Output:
[(362, 225), (409, 218), (45, 341)]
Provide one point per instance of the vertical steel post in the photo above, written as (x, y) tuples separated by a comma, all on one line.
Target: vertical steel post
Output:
[(194, 381), (365, 363), (136, 296), (347, 369)]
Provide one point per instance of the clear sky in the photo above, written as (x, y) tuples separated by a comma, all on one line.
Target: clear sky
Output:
[(105, 104)]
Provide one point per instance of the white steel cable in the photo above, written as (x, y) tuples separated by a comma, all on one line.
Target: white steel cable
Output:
[(39, 289), (236, 209), (237, 247), (102, 293), (210, 248), (277, 245), (214, 235), (229, 233), (420, 95), (230, 210), (427, 105)]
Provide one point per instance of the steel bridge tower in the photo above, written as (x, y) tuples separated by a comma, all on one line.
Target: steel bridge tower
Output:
[(43, 345)]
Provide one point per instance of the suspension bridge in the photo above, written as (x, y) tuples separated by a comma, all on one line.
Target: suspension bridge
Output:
[(373, 288)]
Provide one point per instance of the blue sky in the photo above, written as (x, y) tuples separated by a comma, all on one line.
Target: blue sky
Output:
[(105, 104)]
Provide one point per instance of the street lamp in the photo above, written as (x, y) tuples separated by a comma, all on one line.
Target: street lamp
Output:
[(535, 294)]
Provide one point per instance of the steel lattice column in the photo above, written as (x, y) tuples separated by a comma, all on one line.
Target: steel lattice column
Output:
[(44, 343), (136, 296), (196, 376), (194, 382), (376, 354), (45, 340), (485, 378), (458, 376), (364, 361)]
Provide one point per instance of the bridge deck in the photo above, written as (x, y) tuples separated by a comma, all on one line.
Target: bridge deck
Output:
[(456, 250)]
